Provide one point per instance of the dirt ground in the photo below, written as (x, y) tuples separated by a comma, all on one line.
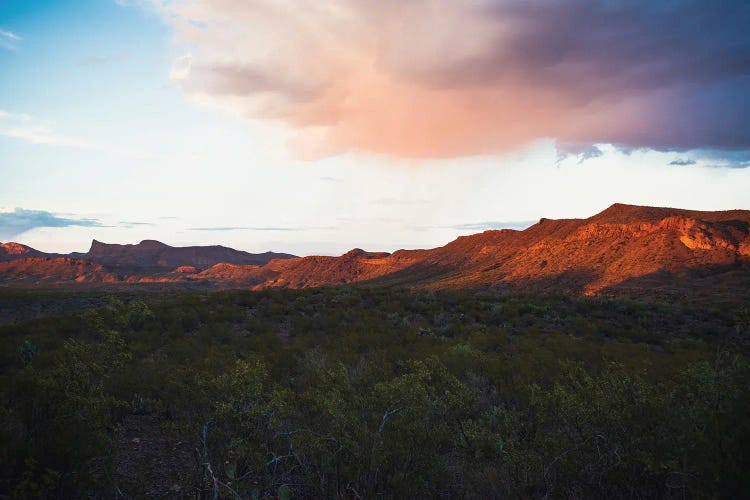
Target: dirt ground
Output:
[(152, 462)]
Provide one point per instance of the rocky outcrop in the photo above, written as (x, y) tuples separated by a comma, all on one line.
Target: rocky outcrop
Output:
[(186, 270), (13, 250)]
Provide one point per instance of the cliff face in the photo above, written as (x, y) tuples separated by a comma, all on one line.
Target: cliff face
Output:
[(613, 250), (590, 255), (572, 255)]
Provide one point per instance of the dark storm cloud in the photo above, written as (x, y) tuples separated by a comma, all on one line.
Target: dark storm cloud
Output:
[(688, 62), (635, 44)]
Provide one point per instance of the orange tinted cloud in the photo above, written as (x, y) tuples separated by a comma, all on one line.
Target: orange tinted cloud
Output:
[(437, 79)]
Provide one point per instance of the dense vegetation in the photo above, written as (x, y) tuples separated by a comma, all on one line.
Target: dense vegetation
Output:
[(365, 392)]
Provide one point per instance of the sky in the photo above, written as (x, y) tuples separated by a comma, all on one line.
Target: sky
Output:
[(317, 127)]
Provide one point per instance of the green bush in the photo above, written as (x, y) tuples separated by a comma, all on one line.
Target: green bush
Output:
[(368, 392)]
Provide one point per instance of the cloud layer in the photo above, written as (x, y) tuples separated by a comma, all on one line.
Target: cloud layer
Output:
[(21, 220), (439, 79)]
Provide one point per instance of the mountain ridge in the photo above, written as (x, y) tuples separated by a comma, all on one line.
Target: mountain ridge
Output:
[(583, 256)]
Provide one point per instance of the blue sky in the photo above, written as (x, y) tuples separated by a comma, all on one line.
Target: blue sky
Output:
[(205, 122)]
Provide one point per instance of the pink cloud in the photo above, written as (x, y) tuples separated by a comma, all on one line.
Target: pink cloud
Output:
[(441, 79)]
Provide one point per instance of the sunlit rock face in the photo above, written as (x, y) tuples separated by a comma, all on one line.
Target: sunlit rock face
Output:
[(580, 256), (53, 270), (13, 250)]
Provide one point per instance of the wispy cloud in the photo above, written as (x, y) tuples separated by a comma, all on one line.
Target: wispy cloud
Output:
[(218, 228), (20, 220), (480, 226), (682, 162), (729, 164), (399, 202), (9, 115), (10, 35), (43, 135), (181, 66), (8, 39), (488, 225), (27, 128), (712, 158), (34, 130), (156, 5), (259, 228), (125, 223)]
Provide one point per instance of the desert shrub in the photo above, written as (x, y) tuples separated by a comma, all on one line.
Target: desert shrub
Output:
[(27, 351), (63, 414), (366, 392)]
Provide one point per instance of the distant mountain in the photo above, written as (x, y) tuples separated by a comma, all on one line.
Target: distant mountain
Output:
[(154, 254), (148, 254), (147, 262), (632, 250)]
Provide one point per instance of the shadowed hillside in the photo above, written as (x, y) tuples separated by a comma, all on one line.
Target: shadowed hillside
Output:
[(154, 254)]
